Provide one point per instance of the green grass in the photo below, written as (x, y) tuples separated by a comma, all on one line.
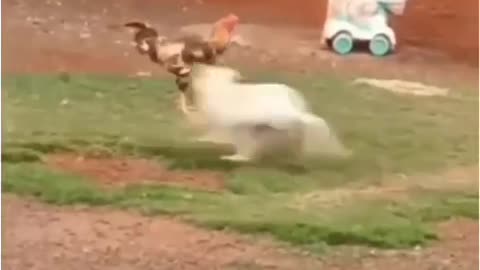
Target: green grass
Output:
[(389, 134)]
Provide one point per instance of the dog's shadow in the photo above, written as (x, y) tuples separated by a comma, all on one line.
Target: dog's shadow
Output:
[(207, 157)]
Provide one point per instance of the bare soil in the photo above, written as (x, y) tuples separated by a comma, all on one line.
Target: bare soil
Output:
[(86, 36), (119, 172), (38, 236), (448, 25)]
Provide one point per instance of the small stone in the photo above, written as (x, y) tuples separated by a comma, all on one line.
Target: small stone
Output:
[(35, 20), (113, 248), (144, 74), (65, 102), (85, 35), (57, 255), (305, 51)]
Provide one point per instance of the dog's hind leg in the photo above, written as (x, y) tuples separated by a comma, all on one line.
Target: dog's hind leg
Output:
[(244, 143)]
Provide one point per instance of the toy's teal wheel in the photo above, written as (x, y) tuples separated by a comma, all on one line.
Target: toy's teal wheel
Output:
[(380, 45), (342, 43)]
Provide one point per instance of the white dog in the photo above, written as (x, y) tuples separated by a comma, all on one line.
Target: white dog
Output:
[(253, 116)]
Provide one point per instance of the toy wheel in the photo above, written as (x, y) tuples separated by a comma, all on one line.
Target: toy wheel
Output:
[(342, 43), (380, 45)]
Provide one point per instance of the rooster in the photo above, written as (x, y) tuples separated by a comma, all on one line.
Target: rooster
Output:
[(179, 54)]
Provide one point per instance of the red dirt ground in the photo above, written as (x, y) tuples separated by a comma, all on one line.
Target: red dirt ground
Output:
[(38, 236), (42, 237), (447, 25), (80, 36), (124, 171)]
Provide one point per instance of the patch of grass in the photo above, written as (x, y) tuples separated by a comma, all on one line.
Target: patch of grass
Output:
[(388, 133), (442, 205), (310, 234), (50, 187), (253, 181), (375, 223)]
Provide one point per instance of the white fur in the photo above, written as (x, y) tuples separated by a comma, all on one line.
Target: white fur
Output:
[(252, 115)]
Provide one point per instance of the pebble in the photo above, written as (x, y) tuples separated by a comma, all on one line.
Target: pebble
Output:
[(85, 35), (64, 102), (144, 74)]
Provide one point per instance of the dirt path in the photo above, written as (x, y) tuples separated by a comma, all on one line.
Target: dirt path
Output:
[(84, 36), (38, 236), (45, 237)]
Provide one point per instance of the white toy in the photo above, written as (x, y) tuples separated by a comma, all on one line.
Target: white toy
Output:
[(361, 20)]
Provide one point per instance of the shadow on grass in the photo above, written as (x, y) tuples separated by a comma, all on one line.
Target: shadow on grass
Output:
[(375, 223), (194, 157), (20, 155), (177, 156)]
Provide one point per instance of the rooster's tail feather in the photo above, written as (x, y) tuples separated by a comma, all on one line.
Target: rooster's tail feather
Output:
[(137, 25)]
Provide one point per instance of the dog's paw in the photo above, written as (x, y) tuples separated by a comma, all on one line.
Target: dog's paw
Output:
[(235, 158)]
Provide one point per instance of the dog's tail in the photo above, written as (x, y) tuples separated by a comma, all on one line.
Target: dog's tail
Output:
[(319, 139)]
